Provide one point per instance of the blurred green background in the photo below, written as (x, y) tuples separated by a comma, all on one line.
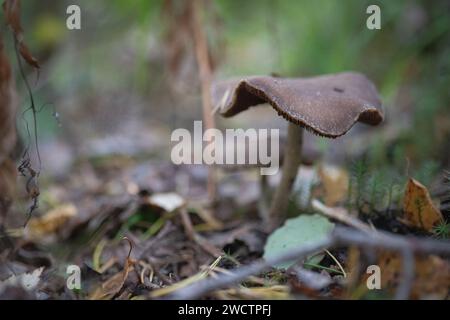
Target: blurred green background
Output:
[(119, 67)]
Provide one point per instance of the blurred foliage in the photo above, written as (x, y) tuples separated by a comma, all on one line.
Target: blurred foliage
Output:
[(121, 49)]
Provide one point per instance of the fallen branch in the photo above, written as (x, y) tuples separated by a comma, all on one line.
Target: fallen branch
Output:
[(341, 215), (340, 236), (205, 74), (201, 288)]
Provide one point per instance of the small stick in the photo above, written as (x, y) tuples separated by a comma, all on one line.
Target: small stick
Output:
[(202, 287), (408, 265), (205, 75), (194, 236), (340, 236), (341, 215)]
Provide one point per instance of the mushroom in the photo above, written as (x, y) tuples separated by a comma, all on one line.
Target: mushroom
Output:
[(327, 105)]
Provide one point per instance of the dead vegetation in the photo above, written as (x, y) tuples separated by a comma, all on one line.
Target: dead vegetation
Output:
[(140, 227)]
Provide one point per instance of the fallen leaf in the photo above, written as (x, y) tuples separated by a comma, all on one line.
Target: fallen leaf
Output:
[(167, 201), (419, 210), (51, 222), (114, 284), (303, 230), (11, 9), (335, 183), (431, 279)]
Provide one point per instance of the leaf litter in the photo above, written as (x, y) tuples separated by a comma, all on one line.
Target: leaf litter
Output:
[(190, 246)]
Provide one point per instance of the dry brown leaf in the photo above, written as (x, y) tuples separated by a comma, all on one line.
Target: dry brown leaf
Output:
[(431, 280), (51, 222), (335, 183), (11, 9), (114, 284), (419, 210)]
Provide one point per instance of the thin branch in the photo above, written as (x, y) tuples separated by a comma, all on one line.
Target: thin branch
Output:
[(194, 236), (408, 265), (340, 236), (341, 215), (202, 287), (205, 75)]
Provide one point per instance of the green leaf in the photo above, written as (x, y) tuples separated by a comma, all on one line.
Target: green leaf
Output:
[(296, 232)]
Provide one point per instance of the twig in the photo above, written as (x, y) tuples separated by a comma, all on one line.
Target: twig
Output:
[(340, 236), (408, 265), (201, 288), (386, 240), (194, 236), (312, 279), (205, 74), (341, 215), (337, 262), (187, 224)]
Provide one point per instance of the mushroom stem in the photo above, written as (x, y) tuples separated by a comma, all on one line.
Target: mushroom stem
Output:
[(263, 202), (292, 159)]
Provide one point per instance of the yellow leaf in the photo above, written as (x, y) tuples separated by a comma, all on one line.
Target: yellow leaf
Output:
[(419, 210), (335, 183), (51, 222)]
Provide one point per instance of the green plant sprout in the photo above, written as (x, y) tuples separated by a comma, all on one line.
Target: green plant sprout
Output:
[(442, 230)]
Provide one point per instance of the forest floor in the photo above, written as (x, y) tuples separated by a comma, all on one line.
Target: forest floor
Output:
[(143, 230)]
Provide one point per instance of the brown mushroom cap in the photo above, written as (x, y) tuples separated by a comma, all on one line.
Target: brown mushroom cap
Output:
[(328, 105)]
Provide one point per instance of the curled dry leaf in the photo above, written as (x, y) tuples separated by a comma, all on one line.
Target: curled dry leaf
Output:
[(113, 285), (11, 9), (419, 210), (51, 222)]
